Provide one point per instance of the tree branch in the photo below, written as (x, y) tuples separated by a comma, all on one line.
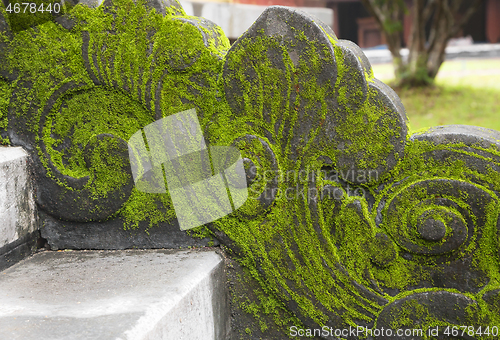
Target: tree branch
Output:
[(417, 32), (381, 15), (455, 5), (427, 12), (438, 17), (374, 11), (449, 14), (470, 11)]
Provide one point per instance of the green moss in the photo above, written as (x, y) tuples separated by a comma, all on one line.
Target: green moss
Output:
[(201, 232), (143, 51), (291, 251), (275, 245), (5, 94), (75, 116)]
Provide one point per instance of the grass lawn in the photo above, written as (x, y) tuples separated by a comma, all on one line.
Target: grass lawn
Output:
[(466, 92)]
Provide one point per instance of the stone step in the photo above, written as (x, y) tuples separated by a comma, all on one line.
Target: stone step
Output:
[(18, 222), (118, 295)]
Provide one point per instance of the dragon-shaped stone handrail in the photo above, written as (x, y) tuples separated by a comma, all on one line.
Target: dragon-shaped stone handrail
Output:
[(352, 220)]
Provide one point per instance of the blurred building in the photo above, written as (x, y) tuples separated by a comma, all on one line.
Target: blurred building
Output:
[(353, 22), (236, 16), (348, 18)]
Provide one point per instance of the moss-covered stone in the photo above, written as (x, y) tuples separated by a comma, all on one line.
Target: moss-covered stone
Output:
[(344, 207)]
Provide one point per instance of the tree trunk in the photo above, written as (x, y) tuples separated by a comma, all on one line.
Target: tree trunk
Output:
[(416, 72), (426, 54), (384, 15)]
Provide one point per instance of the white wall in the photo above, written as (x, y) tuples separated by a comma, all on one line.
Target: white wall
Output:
[(235, 19)]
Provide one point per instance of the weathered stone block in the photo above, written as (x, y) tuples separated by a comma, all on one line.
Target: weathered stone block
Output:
[(18, 219), (136, 295)]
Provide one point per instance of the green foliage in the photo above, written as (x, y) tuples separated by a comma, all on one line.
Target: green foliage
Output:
[(5, 93), (392, 26), (391, 10), (418, 77), (448, 104)]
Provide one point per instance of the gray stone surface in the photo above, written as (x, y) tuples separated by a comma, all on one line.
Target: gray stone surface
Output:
[(275, 74), (112, 236), (17, 205), (469, 135), (162, 294)]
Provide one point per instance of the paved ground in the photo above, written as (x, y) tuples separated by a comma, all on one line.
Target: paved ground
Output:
[(380, 56), (456, 68)]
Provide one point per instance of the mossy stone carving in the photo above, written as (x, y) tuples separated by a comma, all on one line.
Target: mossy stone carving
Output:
[(351, 219), (75, 88)]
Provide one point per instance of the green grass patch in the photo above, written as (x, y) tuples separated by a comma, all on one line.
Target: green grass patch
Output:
[(466, 92), (452, 104)]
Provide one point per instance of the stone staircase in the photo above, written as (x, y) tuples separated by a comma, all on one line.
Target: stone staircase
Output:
[(126, 294)]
